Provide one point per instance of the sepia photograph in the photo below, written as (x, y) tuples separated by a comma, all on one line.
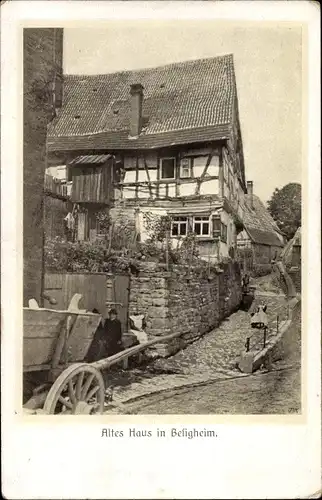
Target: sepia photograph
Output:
[(160, 237), (162, 218)]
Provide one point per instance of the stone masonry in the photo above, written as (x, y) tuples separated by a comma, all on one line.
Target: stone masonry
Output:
[(178, 301), (42, 51)]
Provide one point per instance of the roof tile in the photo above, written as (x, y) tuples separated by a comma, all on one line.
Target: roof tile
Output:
[(178, 97), (259, 224)]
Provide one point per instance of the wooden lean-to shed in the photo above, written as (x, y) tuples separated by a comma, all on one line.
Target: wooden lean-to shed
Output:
[(92, 190)]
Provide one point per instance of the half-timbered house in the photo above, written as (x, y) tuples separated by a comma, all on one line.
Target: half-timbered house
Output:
[(175, 133)]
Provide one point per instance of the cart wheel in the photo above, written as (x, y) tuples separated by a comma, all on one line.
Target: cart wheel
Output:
[(79, 390)]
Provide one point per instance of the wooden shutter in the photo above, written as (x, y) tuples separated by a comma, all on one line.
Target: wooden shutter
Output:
[(216, 226), (81, 226)]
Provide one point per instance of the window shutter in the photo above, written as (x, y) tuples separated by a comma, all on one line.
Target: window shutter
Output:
[(216, 228)]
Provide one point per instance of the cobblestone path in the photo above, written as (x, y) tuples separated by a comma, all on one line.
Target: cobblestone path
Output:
[(213, 357), (275, 392)]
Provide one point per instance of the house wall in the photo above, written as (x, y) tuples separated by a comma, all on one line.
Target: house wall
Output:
[(209, 248), (42, 53), (232, 189), (231, 241), (211, 179), (140, 170), (243, 240), (263, 254), (173, 303)]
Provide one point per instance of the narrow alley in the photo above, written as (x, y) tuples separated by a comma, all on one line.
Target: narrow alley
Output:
[(204, 378)]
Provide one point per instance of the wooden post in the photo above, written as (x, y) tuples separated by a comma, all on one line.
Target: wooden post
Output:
[(167, 249), (110, 237), (190, 258), (137, 178)]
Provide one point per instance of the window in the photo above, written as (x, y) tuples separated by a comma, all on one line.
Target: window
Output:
[(185, 167), (179, 226), (223, 233), (168, 168), (201, 226)]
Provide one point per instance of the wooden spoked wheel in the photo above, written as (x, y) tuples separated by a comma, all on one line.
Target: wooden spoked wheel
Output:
[(79, 390)]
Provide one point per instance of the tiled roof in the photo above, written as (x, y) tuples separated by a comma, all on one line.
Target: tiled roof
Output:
[(263, 237), (259, 224), (90, 159), (183, 102)]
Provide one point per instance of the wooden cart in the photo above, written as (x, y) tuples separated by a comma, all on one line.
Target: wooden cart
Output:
[(55, 344)]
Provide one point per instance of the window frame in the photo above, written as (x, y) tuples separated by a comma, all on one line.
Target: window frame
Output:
[(174, 168), (190, 163), (179, 223), (207, 220)]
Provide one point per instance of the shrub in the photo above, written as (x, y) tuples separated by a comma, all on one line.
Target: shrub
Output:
[(261, 270)]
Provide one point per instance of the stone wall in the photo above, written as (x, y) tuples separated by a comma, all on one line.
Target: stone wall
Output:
[(182, 301), (42, 55), (279, 347)]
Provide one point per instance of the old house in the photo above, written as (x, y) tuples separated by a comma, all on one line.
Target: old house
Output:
[(175, 133), (260, 234)]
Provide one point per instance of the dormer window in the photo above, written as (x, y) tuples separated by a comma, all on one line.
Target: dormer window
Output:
[(185, 168), (168, 168)]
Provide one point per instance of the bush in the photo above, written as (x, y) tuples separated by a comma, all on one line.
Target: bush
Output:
[(89, 257), (93, 257), (261, 270), (118, 249)]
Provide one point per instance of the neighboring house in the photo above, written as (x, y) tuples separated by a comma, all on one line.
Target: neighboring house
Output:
[(260, 233), (174, 132), (42, 56)]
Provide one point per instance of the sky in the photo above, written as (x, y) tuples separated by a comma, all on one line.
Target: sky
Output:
[(268, 67)]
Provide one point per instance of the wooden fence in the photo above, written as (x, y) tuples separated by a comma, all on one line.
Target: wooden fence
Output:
[(100, 290), (56, 187)]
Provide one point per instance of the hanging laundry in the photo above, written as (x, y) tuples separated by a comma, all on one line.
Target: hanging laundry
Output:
[(137, 326), (70, 221)]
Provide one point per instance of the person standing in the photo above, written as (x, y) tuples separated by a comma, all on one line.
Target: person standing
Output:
[(113, 330), (97, 348)]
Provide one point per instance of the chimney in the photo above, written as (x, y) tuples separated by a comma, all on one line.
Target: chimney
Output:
[(250, 192), (136, 109)]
